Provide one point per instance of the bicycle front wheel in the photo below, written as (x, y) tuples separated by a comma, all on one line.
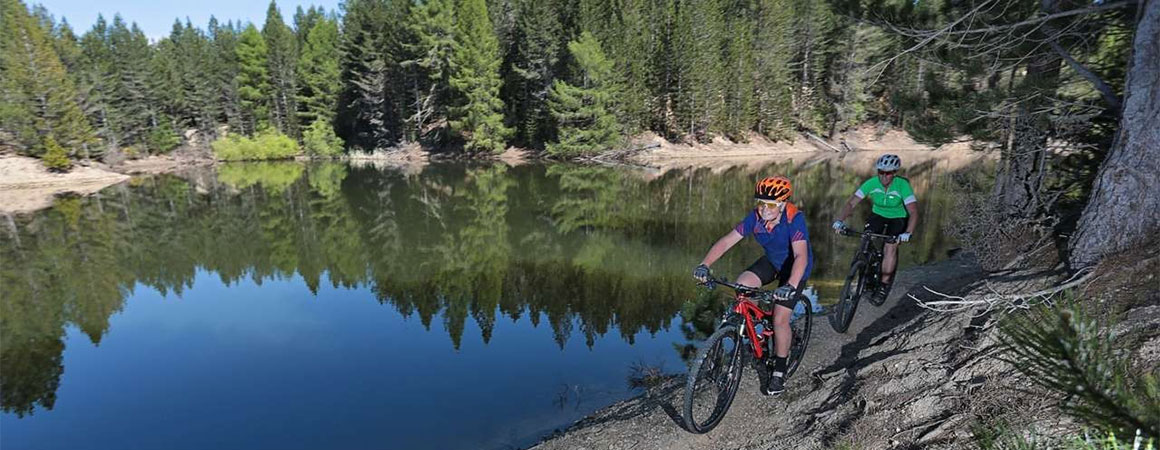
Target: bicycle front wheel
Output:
[(848, 299), (713, 380), (800, 329)]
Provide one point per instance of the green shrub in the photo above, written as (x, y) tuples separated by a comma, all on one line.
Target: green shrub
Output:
[(319, 140), (162, 139), (1062, 349), (275, 177), (1111, 442), (55, 157), (999, 435), (263, 146)]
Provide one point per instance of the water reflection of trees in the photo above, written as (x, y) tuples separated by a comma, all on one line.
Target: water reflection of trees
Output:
[(575, 246)]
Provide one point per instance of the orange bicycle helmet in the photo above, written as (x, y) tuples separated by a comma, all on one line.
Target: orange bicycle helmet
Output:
[(776, 188)]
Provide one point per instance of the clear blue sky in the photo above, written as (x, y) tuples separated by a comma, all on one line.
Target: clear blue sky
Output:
[(156, 17)]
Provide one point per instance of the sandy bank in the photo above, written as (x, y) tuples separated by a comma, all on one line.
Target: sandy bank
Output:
[(865, 145), (26, 186)]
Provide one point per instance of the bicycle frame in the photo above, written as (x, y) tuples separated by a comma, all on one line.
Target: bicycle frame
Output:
[(750, 312), (868, 252)]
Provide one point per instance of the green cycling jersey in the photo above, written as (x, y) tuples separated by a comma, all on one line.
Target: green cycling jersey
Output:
[(889, 201)]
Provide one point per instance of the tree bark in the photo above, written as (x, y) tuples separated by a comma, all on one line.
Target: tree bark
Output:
[(1124, 209), (1024, 162)]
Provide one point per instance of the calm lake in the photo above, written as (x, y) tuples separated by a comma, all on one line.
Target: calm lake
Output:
[(281, 305)]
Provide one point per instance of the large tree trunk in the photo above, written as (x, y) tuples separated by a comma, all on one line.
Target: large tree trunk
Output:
[(1124, 209), (1023, 168)]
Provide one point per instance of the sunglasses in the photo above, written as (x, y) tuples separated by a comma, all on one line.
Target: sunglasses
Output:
[(770, 205), (885, 173)]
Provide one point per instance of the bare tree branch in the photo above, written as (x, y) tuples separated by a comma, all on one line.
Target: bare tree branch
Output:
[(1008, 302), (1105, 90)]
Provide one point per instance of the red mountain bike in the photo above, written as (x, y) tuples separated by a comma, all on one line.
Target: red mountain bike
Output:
[(745, 334)]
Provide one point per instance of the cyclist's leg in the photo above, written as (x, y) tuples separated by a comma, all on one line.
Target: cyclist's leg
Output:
[(889, 262), (781, 330), (894, 227), (784, 310), (782, 338), (759, 274)]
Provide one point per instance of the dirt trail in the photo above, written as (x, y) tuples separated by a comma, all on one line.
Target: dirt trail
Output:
[(819, 403)]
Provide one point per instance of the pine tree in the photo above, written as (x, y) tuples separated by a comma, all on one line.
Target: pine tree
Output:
[(129, 93), (363, 113), (475, 75), (225, 71), (304, 21), (503, 21), (697, 50), (534, 57), (96, 78), (432, 24), (773, 78), (374, 101), (67, 47), (739, 107), (631, 51), (37, 98), (253, 85), (318, 73), (584, 112), (55, 158), (664, 67), (814, 22), (281, 59), (191, 98), (850, 86)]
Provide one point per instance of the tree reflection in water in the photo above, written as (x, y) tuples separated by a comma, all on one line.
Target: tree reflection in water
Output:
[(592, 247)]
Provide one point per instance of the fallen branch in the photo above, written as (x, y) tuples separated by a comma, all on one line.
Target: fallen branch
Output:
[(822, 142), (994, 300)]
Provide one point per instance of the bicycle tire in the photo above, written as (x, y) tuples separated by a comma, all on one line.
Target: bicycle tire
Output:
[(706, 368), (800, 329), (848, 298)]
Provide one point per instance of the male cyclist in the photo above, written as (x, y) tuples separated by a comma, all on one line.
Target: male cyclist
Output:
[(894, 212), (781, 230)]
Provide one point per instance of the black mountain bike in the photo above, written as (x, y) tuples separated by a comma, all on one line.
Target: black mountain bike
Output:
[(864, 275), (745, 335)]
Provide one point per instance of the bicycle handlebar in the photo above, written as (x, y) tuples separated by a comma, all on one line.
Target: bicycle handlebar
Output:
[(886, 237), (736, 287)]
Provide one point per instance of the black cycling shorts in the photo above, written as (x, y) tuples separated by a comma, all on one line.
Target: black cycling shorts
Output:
[(882, 225), (765, 271)]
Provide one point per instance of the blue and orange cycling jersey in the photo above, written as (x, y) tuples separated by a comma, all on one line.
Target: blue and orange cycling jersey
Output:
[(778, 241)]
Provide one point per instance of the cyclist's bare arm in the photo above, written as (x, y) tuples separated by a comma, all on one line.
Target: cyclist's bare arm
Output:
[(912, 220), (849, 207), (801, 257), (723, 245)]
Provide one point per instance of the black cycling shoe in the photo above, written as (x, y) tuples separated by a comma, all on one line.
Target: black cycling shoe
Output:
[(775, 386), (880, 294)]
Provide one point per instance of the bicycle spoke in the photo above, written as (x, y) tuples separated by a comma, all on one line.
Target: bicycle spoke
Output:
[(714, 381)]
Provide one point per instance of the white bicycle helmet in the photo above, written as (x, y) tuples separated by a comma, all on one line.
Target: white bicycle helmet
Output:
[(888, 163)]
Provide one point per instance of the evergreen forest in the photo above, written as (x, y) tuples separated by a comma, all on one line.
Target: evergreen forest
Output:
[(569, 77)]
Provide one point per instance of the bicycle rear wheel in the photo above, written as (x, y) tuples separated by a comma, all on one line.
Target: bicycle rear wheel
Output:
[(848, 299), (713, 380), (800, 329)]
